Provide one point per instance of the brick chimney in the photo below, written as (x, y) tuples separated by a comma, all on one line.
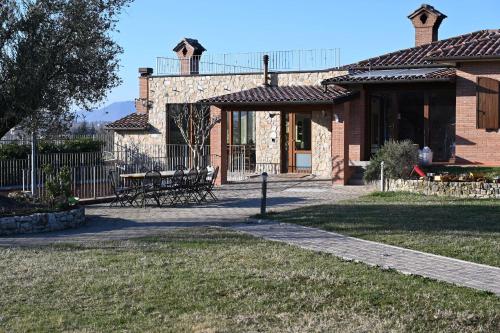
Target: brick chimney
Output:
[(426, 21), (142, 103), (189, 51)]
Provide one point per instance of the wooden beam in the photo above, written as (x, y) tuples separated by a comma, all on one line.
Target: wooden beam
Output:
[(426, 118)]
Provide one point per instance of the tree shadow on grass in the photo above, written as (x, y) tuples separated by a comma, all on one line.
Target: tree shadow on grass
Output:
[(373, 217)]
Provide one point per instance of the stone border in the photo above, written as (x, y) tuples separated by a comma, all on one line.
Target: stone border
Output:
[(42, 222), (478, 190)]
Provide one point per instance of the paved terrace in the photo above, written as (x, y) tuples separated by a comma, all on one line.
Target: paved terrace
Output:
[(239, 201)]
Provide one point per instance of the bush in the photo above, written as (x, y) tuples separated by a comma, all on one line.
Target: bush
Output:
[(399, 158), (83, 145), (14, 151), (58, 186)]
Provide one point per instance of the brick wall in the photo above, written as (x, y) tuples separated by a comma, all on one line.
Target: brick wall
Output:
[(340, 148), (474, 145)]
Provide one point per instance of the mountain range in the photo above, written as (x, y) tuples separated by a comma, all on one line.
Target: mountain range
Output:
[(109, 113)]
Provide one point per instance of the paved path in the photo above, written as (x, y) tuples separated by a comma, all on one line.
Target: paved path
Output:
[(406, 261), (239, 201)]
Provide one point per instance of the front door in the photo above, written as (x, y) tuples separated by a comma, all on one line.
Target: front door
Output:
[(296, 141)]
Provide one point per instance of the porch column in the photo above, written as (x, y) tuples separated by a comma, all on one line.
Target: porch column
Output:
[(218, 144), (340, 143)]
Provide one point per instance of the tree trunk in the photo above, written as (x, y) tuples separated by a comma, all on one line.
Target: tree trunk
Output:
[(6, 124)]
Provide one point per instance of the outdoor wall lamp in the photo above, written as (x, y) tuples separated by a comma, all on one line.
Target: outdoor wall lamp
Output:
[(336, 118)]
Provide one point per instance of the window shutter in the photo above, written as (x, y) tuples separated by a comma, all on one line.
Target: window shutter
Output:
[(488, 103)]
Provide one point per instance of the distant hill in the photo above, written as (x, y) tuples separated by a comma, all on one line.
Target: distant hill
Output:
[(108, 113)]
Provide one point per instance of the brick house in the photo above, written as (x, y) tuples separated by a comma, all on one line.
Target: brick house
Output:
[(440, 93)]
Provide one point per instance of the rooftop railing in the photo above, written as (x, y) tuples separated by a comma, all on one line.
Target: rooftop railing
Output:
[(228, 63)]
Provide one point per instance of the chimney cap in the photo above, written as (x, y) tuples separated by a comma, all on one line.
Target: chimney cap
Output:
[(429, 9), (145, 71), (197, 47)]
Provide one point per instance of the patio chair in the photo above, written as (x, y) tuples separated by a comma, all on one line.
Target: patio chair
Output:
[(173, 190), (191, 186), (180, 167), (151, 188), (123, 195), (209, 187), (202, 183)]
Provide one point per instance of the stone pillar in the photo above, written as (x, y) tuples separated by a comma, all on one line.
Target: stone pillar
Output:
[(321, 145), (268, 141), (340, 144), (218, 144)]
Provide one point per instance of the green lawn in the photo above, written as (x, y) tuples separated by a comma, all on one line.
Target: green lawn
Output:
[(209, 280), (464, 229)]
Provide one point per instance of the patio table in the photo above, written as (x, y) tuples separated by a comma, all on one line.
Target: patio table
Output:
[(137, 180)]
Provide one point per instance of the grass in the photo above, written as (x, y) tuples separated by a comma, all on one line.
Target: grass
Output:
[(209, 280), (458, 228)]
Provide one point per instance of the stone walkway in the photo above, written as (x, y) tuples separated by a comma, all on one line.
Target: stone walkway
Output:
[(462, 273), (239, 201)]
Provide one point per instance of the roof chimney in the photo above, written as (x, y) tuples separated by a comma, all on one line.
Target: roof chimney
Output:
[(426, 21), (189, 51), (142, 104), (266, 70)]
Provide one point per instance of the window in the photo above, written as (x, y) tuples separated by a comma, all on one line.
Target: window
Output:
[(241, 128), (174, 135), (488, 102)]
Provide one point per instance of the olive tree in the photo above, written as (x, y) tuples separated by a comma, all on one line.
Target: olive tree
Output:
[(55, 56)]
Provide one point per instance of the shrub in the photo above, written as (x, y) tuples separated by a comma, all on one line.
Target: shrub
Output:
[(399, 158), (82, 145), (58, 186), (13, 151)]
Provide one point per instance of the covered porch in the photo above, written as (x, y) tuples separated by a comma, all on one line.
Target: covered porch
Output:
[(416, 104), (299, 129)]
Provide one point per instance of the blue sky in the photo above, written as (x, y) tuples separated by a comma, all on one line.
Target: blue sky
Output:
[(360, 28)]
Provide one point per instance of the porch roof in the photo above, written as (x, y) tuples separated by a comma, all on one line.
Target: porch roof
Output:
[(132, 122), (272, 95), (412, 75)]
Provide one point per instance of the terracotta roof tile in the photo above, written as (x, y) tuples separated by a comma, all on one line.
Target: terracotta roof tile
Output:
[(283, 94), (481, 48), (395, 75), (132, 122), (468, 45)]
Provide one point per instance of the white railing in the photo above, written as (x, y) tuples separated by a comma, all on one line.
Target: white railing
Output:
[(227, 63), (89, 171)]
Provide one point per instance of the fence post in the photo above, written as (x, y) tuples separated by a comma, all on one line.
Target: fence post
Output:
[(382, 180), (33, 165), (94, 181)]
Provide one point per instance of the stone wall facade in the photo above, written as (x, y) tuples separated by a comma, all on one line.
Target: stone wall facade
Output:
[(268, 141), (321, 145), (42, 222), (175, 89), (477, 190)]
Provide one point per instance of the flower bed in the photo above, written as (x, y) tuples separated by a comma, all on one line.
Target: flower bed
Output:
[(462, 189), (42, 222)]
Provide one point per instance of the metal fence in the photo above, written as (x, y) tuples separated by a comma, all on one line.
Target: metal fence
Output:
[(89, 171), (227, 63), (13, 172)]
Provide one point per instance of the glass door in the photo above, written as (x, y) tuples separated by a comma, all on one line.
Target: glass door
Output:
[(297, 142)]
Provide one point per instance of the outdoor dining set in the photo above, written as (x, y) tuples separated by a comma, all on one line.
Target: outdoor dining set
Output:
[(163, 188)]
